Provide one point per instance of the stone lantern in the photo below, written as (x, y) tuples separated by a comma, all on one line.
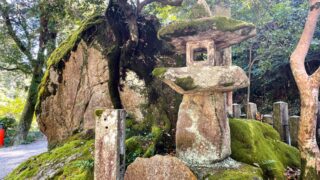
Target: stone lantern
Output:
[(203, 134)]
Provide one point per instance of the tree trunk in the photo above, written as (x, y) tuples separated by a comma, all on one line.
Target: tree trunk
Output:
[(46, 42), (309, 89), (28, 111)]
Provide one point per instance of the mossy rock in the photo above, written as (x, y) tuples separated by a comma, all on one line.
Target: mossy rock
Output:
[(244, 172), (62, 52), (257, 143), (192, 27), (73, 160)]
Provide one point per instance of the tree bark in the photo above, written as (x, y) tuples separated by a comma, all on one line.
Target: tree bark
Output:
[(309, 89), (28, 110), (47, 39)]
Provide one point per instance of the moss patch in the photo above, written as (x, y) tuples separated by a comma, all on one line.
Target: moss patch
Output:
[(98, 112), (143, 137), (159, 72), (73, 160), (63, 51), (186, 83), (192, 27), (244, 172), (257, 143)]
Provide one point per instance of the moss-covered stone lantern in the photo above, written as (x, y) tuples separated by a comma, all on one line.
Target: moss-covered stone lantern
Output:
[(203, 135)]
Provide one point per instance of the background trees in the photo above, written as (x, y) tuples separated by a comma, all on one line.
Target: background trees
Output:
[(30, 31)]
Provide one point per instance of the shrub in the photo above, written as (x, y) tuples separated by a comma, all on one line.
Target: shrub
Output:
[(9, 124)]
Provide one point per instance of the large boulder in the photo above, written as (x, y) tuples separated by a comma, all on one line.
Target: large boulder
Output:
[(77, 90), (159, 168)]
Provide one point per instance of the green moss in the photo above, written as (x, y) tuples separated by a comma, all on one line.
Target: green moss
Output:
[(145, 136), (98, 112), (67, 156), (186, 83), (244, 172), (253, 142), (192, 27), (63, 51), (159, 72), (228, 84), (150, 151)]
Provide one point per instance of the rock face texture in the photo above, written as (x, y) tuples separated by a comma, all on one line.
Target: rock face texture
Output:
[(203, 134), (77, 91), (158, 168)]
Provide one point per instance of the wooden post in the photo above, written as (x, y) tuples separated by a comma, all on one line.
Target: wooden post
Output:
[(251, 110), (294, 128), (281, 120), (236, 110), (110, 144)]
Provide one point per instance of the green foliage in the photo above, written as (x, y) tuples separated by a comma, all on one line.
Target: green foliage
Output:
[(279, 26), (142, 138), (257, 143), (32, 136), (9, 125), (11, 102), (8, 122)]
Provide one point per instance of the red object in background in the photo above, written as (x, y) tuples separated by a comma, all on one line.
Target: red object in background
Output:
[(2, 132)]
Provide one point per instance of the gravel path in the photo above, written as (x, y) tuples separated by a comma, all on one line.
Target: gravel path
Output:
[(11, 157)]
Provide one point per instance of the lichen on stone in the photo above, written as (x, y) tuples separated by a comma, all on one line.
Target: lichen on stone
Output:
[(63, 51), (191, 27), (186, 83), (257, 143)]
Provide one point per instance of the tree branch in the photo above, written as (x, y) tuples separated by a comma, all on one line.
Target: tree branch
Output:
[(8, 69), (11, 32), (164, 2), (14, 69), (298, 56)]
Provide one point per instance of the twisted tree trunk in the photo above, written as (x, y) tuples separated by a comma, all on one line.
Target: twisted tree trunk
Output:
[(308, 86)]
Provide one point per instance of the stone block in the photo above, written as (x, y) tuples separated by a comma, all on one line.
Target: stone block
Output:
[(281, 120), (236, 110), (110, 144), (251, 110), (294, 122)]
